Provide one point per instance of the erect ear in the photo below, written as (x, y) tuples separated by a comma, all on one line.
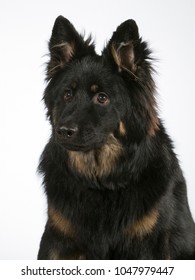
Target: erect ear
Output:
[(128, 54), (126, 49), (66, 44)]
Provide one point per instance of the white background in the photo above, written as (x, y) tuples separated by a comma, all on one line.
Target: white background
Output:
[(25, 28)]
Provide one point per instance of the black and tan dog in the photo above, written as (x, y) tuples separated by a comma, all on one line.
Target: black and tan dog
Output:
[(113, 183)]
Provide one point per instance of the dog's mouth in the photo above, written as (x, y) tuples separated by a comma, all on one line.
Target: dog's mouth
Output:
[(82, 148), (77, 144)]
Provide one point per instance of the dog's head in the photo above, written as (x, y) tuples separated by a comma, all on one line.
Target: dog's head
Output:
[(94, 100)]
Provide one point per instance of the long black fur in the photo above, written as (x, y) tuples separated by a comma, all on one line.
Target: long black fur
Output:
[(113, 184)]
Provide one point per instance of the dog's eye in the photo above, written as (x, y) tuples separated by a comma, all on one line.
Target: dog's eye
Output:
[(102, 98), (68, 95)]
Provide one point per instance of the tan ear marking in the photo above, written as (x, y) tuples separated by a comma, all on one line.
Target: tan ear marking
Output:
[(65, 51)]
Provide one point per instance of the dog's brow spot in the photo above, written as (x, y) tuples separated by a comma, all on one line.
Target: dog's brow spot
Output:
[(94, 88), (74, 85)]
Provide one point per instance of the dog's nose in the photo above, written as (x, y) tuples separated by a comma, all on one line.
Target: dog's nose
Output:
[(67, 131)]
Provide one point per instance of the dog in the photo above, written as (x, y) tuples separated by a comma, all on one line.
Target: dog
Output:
[(113, 183)]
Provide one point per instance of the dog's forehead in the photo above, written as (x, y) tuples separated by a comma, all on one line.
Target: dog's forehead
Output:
[(91, 70)]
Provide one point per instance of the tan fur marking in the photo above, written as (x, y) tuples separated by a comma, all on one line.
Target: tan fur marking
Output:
[(98, 162), (154, 126), (122, 129), (121, 57), (67, 52), (153, 119), (55, 255), (143, 226), (116, 56), (60, 222), (94, 88), (74, 85)]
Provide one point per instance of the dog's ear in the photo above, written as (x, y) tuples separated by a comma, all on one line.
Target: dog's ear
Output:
[(128, 54), (126, 48), (65, 45)]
